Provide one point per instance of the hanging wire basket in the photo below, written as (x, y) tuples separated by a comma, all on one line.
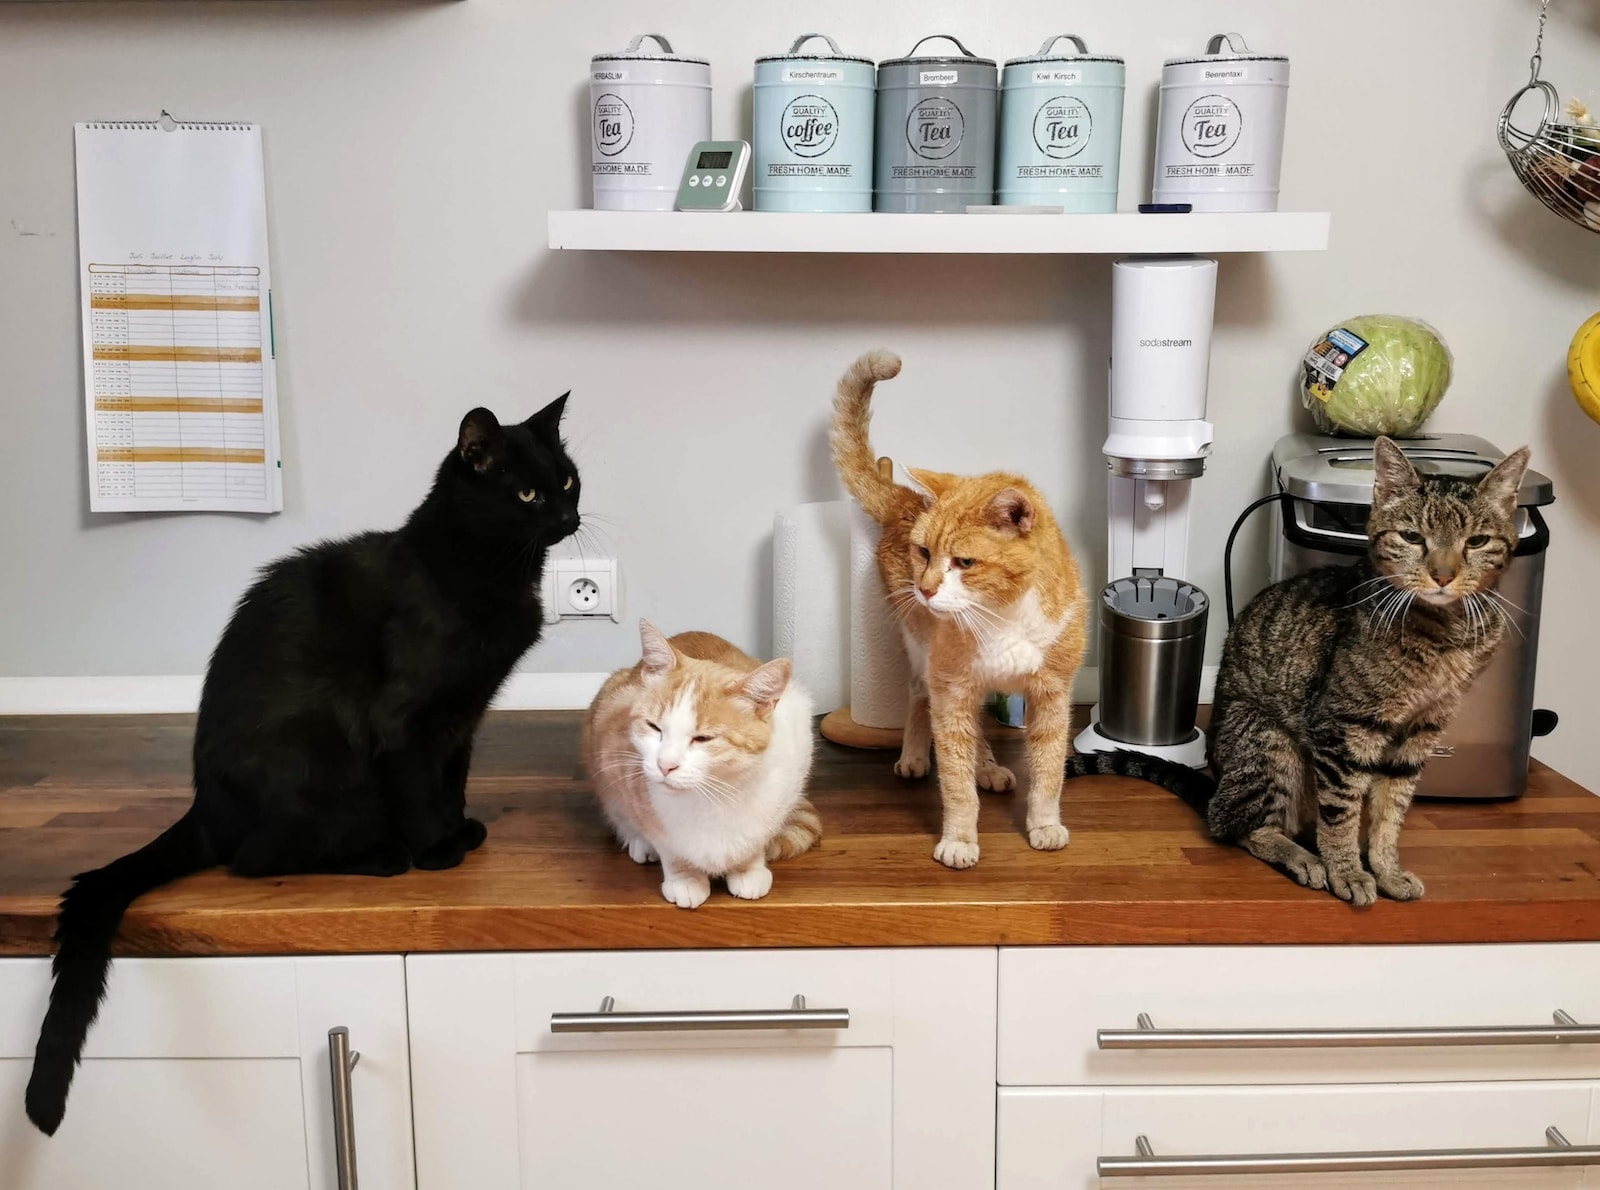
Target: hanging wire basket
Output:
[(1558, 162)]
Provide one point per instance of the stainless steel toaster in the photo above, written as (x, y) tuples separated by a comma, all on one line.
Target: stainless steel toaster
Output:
[(1484, 753)]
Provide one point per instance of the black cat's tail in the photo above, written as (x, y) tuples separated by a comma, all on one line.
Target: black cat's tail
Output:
[(91, 910), (1192, 785)]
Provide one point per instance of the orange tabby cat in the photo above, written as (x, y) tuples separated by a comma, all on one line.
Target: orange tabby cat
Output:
[(988, 598)]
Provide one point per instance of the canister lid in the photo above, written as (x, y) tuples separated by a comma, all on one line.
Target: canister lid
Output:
[(1047, 54), (1237, 51), (634, 54), (794, 52), (1331, 470), (966, 58)]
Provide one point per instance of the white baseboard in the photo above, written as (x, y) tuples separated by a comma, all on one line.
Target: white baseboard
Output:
[(164, 693)]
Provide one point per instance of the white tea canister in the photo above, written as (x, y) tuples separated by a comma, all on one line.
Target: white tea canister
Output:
[(1061, 129), (812, 119), (1219, 138), (646, 110)]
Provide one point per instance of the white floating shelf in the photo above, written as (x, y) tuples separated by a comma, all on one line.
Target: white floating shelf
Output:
[(1123, 233)]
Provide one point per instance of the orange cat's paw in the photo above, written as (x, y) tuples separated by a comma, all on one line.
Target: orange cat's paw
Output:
[(911, 766), (995, 777), (953, 853)]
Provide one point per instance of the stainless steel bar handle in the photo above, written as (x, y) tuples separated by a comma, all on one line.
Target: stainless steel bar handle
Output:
[(1559, 1152), (1565, 1031), (607, 1020), (341, 1061)]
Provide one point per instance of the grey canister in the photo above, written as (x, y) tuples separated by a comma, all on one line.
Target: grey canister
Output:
[(934, 150), (1061, 129), (813, 130)]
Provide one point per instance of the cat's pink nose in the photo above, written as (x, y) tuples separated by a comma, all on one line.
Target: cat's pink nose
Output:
[(1443, 577), (666, 769)]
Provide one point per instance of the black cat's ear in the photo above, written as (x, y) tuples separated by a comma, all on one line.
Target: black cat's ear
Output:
[(1500, 485), (479, 440), (1393, 473), (547, 422)]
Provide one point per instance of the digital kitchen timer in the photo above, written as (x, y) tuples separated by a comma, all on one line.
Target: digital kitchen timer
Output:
[(713, 175)]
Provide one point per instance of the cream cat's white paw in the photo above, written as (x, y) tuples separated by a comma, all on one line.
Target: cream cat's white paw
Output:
[(640, 852), (995, 777), (911, 766), (687, 892), (1048, 838), (752, 884), (953, 853)]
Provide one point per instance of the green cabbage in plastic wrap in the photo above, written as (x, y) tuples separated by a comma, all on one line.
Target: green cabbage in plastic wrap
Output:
[(1377, 374)]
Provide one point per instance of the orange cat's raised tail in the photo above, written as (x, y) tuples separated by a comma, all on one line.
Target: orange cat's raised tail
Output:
[(852, 450)]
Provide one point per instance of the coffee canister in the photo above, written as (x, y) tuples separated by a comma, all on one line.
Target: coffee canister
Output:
[(645, 112), (813, 130), (1061, 129), (1219, 138), (934, 150)]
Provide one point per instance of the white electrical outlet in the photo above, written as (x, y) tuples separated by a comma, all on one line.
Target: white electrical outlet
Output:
[(581, 589)]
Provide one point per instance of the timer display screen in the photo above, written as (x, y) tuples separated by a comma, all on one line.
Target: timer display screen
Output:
[(714, 160)]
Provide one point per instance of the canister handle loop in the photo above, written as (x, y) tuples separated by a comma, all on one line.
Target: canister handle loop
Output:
[(1072, 37), (805, 37), (947, 37), (1235, 43), (633, 46)]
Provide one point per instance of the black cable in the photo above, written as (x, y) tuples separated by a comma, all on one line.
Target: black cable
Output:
[(1227, 550)]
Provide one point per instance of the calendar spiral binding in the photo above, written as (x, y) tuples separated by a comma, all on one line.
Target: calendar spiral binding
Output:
[(175, 124)]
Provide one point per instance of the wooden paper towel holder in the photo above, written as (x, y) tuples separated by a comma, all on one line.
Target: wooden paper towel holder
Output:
[(838, 726)]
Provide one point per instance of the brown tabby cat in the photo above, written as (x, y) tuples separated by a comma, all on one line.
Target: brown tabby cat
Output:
[(988, 598), (1336, 684)]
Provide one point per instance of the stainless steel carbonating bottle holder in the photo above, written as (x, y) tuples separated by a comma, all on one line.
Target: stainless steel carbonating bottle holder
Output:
[(1152, 648)]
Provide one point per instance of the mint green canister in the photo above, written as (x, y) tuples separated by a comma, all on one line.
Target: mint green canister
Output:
[(812, 123), (1061, 129)]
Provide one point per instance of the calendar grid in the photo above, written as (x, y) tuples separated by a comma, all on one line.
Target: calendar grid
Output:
[(178, 385)]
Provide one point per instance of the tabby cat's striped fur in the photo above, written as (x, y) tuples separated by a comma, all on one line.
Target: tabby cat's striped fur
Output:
[(1336, 684)]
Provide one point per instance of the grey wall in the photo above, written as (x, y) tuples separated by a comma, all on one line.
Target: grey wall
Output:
[(413, 149)]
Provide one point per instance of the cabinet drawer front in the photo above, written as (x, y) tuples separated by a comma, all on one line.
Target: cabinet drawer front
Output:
[(1054, 1137), (1055, 1003), (704, 985), (902, 1099)]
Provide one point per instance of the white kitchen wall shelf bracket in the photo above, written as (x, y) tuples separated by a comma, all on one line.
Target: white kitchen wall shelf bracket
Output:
[(1124, 233)]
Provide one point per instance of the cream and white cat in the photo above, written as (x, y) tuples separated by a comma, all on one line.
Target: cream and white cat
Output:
[(699, 755)]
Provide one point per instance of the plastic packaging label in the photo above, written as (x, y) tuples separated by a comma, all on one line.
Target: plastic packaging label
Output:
[(1328, 358)]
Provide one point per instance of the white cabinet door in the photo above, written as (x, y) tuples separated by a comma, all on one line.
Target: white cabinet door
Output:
[(1051, 1138), (903, 1098), (1055, 1000), (213, 1072)]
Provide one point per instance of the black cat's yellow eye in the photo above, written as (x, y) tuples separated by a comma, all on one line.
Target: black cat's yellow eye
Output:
[(567, 487), (1413, 536), (653, 727), (701, 739), (527, 495), (1477, 540), (962, 563), (923, 550)]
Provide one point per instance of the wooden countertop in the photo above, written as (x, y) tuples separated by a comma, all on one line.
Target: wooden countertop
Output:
[(77, 792)]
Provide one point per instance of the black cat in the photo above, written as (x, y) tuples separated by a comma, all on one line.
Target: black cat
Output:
[(337, 717)]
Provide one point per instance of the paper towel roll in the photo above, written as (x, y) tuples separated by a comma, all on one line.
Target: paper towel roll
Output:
[(879, 671), (811, 598)]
